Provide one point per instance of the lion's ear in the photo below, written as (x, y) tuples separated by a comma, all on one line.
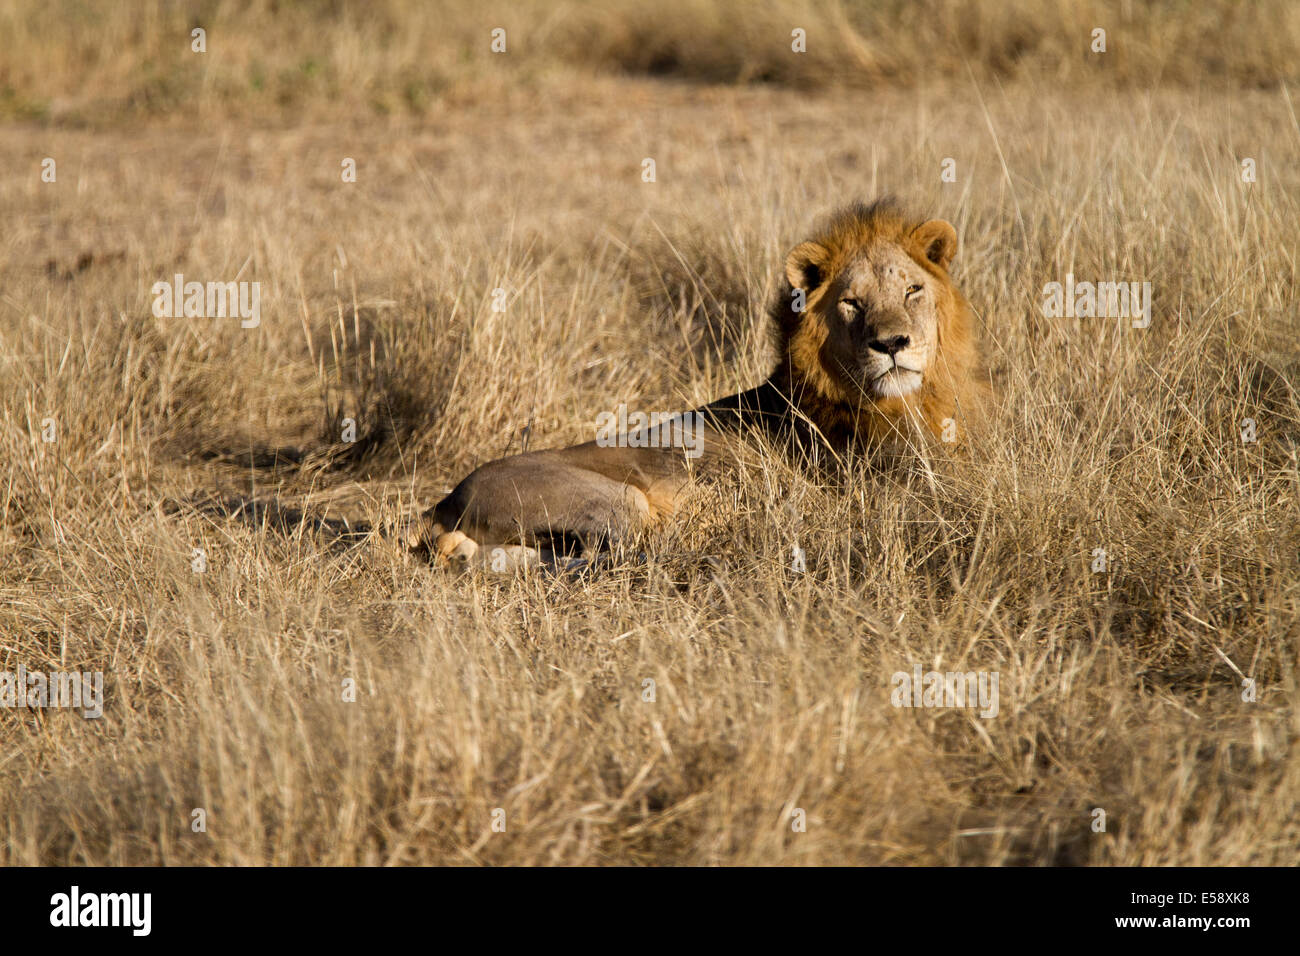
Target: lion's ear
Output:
[(806, 264), (938, 241)]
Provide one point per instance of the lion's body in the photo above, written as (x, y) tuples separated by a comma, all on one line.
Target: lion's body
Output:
[(882, 352)]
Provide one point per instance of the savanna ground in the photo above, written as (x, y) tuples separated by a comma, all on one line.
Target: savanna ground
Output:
[(1120, 689)]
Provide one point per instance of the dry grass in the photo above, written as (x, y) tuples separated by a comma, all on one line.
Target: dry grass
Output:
[(525, 692), (89, 64)]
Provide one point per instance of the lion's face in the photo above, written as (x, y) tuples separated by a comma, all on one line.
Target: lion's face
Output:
[(876, 307), (882, 322)]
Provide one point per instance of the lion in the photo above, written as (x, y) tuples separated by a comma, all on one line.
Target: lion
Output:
[(875, 345)]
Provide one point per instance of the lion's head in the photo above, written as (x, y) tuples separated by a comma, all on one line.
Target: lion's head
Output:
[(883, 334)]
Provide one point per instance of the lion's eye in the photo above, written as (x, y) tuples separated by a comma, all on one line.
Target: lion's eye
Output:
[(851, 305), (913, 290)]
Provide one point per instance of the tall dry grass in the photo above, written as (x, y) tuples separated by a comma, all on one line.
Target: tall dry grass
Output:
[(525, 693), (90, 64)]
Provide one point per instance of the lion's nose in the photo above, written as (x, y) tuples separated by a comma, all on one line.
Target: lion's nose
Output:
[(890, 346)]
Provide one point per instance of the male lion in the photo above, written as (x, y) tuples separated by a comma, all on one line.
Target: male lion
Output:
[(875, 342)]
